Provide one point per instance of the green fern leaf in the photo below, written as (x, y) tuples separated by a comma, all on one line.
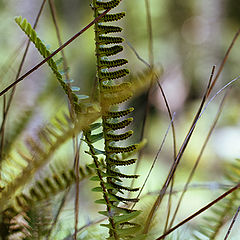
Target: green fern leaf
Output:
[(122, 149), (113, 63), (110, 40), (26, 27), (118, 114), (112, 17), (109, 51), (114, 75), (121, 162), (104, 29), (119, 125), (118, 137), (107, 5)]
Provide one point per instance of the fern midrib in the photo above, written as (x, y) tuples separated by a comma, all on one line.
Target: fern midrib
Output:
[(105, 196)]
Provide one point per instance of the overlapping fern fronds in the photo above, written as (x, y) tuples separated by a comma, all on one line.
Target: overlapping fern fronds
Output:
[(111, 93), (38, 155), (70, 91), (223, 211), (47, 187)]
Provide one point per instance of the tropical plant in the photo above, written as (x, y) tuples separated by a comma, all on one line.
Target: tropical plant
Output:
[(35, 184)]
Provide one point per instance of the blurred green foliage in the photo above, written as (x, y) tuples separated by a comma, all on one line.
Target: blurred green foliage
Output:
[(189, 37)]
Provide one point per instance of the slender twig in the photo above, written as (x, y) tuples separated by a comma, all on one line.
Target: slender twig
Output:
[(177, 160), (63, 200), (210, 186), (200, 211), (154, 161), (219, 72), (76, 146), (210, 89), (198, 158), (65, 64), (91, 223), (151, 64), (150, 33), (224, 60), (54, 53), (137, 55), (163, 95), (172, 123), (232, 223), (163, 190)]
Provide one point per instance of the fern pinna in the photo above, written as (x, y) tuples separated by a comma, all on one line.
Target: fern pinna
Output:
[(112, 93)]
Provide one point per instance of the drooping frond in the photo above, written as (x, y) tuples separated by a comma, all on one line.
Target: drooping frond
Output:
[(38, 155), (47, 187)]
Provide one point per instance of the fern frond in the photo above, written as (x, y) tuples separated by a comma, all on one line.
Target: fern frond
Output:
[(112, 94), (120, 187), (40, 221), (116, 88), (34, 160), (113, 63), (70, 91), (18, 127), (114, 99), (115, 173), (19, 227), (48, 187)]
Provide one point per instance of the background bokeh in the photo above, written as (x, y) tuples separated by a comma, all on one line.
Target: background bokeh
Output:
[(189, 37)]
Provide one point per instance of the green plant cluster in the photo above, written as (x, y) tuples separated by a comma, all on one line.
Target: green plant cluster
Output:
[(26, 207)]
